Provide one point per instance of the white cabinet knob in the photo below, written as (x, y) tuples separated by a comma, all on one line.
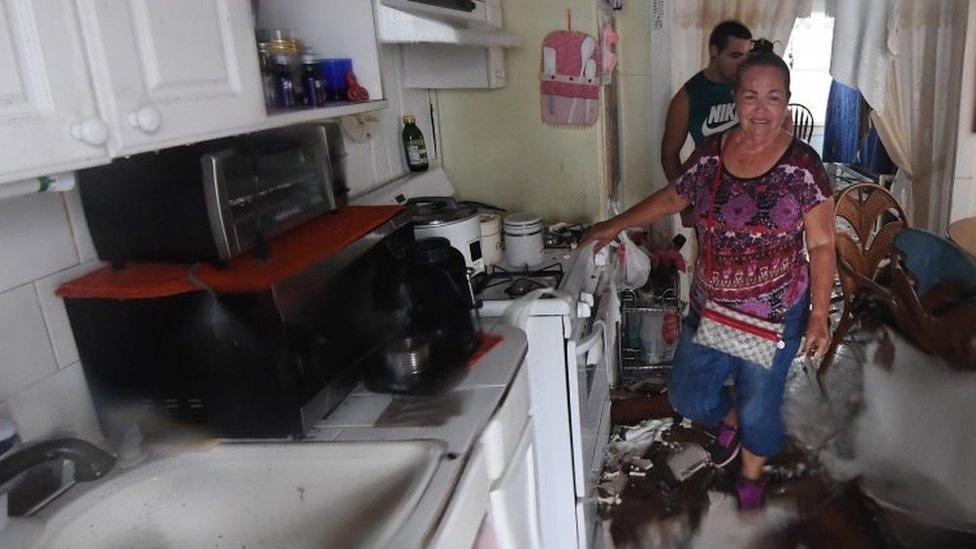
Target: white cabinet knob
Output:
[(92, 131), (146, 119)]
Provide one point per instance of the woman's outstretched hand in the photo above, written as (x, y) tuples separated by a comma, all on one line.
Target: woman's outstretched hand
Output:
[(600, 234), (817, 339)]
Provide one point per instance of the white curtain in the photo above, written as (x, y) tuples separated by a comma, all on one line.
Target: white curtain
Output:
[(693, 21), (866, 40), (906, 58)]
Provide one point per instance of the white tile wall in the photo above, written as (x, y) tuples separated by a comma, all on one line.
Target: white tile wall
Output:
[(35, 238), (44, 241), (55, 315), (58, 405), (26, 352), (380, 159), (79, 227)]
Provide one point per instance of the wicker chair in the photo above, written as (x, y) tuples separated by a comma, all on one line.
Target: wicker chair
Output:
[(867, 218)]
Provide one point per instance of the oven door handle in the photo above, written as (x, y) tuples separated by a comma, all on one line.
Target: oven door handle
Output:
[(588, 345)]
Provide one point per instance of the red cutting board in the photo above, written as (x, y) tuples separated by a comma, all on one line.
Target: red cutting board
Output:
[(289, 254)]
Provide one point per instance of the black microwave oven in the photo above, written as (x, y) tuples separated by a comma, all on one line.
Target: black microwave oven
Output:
[(268, 363), (212, 201)]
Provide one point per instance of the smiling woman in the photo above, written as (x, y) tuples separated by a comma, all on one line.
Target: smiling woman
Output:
[(762, 202)]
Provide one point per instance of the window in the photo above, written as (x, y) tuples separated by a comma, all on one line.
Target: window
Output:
[(808, 55)]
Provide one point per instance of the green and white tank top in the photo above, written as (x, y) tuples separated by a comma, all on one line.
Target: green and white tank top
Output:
[(710, 107)]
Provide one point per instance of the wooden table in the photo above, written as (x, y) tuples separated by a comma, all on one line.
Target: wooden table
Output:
[(963, 233)]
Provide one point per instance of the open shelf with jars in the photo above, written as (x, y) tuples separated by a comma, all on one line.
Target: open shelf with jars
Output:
[(318, 59)]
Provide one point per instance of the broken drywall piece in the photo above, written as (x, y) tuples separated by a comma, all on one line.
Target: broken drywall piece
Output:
[(650, 427), (625, 459), (642, 464), (691, 459)]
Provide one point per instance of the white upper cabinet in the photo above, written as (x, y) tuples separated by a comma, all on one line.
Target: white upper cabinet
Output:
[(48, 118), (87, 80), (170, 72)]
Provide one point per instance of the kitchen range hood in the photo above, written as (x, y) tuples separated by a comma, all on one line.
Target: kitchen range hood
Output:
[(475, 23)]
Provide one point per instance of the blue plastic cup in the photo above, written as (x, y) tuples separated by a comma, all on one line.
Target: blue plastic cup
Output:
[(335, 70)]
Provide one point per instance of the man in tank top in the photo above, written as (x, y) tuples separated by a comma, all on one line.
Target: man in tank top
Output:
[(703, 106)]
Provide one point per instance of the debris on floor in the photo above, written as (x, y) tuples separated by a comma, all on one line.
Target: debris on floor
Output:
[(659, 490), (688, 461)]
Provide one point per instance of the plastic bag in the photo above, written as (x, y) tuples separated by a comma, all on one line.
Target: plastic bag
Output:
[(632, 265)]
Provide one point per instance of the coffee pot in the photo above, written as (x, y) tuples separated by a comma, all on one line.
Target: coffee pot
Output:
[(432, 328)]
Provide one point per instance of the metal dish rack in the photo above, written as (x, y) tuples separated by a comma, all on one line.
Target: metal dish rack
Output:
[(644, 353)]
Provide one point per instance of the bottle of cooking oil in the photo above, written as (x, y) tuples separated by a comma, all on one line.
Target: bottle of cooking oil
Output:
[(413, 145)]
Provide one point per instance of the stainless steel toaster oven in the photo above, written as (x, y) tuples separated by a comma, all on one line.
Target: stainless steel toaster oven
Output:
[(215, 200)]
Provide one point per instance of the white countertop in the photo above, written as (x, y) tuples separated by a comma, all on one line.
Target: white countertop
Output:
[(478, 395), (476, 398)]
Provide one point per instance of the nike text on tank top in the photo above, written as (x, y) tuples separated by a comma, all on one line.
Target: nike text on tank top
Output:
[(710, 107)]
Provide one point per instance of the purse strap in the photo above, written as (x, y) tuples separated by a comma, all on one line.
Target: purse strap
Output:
[(710, 222)]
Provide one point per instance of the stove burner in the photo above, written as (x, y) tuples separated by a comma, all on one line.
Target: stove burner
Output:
[(501, 283), (522, 286), (500, 275)]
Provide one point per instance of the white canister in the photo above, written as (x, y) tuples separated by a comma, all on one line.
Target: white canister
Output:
[(491, 238), (523, 240), (461, 227)]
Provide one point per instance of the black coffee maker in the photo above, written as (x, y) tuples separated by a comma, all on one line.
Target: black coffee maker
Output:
[(432, 331)]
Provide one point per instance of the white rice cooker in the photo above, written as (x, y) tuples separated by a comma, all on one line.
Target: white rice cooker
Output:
[(461, 225)]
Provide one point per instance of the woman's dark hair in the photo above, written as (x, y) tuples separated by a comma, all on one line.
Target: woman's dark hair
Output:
[(762, 55), (725, 30)]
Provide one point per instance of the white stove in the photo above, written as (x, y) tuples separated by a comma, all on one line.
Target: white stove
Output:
[(571, 359)]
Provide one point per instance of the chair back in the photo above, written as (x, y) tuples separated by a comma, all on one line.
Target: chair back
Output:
[(867, 219), (802, 121)]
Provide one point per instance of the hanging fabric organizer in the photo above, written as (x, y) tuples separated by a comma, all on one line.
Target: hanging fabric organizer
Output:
[(570, 79)]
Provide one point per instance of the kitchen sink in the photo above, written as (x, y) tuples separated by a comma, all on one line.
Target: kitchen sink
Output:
[(287, 494)]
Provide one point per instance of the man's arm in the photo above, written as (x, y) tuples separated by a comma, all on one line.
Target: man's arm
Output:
[(675, 133)]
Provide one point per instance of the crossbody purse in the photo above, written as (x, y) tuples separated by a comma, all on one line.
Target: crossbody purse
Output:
[(729, 331)]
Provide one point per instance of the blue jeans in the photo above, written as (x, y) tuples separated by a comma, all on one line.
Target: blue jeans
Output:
[(697, 389)]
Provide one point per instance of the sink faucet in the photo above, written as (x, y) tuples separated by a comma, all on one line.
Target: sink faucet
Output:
[(91, 463)]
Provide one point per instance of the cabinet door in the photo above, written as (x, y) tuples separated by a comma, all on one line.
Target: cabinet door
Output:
[(48, 118), (170, 72), (514, 498), (467, 507)]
